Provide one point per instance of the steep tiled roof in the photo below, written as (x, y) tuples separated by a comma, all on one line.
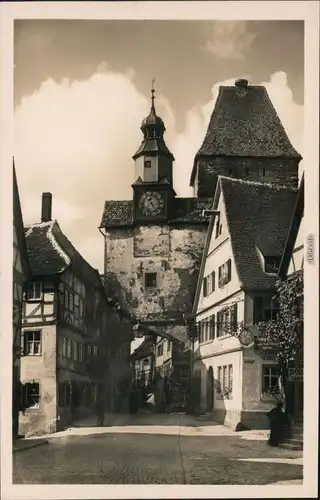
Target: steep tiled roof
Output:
[(189, 210), (245, 123), (258, 218), (153, 146), (117, 213), (45, 255), (185, 210), (18, 223), (50, 252)]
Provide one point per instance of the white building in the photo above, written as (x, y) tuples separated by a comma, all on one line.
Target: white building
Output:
[(242, 254)]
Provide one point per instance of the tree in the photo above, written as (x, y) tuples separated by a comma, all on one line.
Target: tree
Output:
[(286, 330)]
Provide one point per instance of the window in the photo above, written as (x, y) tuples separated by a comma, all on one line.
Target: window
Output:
[(263, 172), (34, 291), (247, 171), (230, 377), (69, 349), (75, 351), (270, 379), (32, 395), (224, 273), (147, 164), (89, 350), (160, 350), (32, 343), (213, 281), (150, 280), (64, 347), (222, 321), (205, 286), (269, 314), (225, 381), (81, 359), (234, 317), (95, 350), (271, 265), (212, 327), (168, 346)]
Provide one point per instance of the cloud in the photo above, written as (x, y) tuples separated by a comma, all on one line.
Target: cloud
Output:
[(230, 39), (76, 140)]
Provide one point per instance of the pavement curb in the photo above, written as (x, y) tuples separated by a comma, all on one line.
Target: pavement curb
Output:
[(31, 445)]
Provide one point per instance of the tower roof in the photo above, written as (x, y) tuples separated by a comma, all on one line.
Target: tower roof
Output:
[(153, 129), (245, 123)]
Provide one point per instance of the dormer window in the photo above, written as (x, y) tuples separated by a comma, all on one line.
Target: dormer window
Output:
[(271, 265), (147, 164)]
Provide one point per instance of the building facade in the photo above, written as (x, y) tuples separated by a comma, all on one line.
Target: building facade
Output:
[(154, 242), (65, 338), (21, 274), (236, 382)]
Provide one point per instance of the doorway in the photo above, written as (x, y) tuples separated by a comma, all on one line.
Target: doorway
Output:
[(209, 398)]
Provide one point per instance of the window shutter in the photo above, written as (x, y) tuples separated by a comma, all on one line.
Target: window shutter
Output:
[(213, 281), (205, 287), (234, 316), (229, 269), (219, 275), (22, 343), (218, 323), (213, 323)]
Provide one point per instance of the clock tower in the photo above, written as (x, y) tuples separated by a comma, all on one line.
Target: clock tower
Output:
[(153, 189)]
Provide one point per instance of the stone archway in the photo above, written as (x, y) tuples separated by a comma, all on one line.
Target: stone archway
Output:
[(209, 398)]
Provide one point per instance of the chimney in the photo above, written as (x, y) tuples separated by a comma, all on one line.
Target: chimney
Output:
[(241, 82), (46, 207)]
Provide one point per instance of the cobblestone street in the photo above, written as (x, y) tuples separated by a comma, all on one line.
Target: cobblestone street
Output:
[(156, 449)]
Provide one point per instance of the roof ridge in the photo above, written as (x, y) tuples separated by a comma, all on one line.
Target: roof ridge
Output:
[(257, 183), (55, 244)]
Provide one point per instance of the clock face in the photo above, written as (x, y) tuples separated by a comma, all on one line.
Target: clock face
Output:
[(151, 203)]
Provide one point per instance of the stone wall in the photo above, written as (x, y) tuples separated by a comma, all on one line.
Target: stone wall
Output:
[(174, 253), (42, 370), (278, 171)]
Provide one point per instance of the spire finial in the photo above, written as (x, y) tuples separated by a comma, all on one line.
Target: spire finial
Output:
[(152, 94)]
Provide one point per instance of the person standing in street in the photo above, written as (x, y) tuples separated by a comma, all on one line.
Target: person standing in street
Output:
[(100, 411), (277, 425)]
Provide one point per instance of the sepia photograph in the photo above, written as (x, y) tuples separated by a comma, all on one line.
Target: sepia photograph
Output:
[(159, 169)]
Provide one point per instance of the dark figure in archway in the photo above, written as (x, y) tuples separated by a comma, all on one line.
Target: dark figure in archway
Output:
[(277, 425)]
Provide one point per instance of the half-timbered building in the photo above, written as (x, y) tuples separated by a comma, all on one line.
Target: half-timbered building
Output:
[(65, 337), (21, 273)]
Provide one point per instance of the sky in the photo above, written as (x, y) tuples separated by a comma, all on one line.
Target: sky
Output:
[(82, 89)]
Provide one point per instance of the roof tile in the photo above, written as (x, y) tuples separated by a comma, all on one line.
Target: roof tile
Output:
[(260, 225)]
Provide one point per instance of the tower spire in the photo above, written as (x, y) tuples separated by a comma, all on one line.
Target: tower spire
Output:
[(153, 96)]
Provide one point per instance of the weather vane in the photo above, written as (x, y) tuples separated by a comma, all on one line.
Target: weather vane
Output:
[(153, 91)]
